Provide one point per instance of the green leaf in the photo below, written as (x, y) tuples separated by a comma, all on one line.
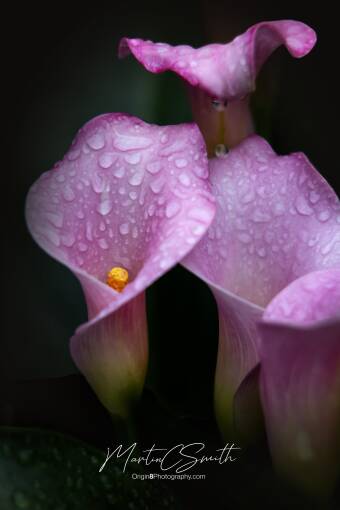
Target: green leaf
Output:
[(43, 470)]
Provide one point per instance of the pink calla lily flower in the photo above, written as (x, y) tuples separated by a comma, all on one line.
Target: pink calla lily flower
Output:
[(220, 77), (276, 220), (130, 196), (277, 226), (300, 378)]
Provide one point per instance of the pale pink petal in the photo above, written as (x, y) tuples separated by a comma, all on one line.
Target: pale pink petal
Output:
[(226, 71), (276, 219), (300, 378), (126, 194)]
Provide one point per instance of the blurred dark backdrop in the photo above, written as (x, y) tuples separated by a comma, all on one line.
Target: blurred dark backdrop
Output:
[(61, 69)]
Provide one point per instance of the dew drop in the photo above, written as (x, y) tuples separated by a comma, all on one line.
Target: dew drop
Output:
[(73, 154), (133, 159), (302, 207), (68, 240), (184, 179), (181, 162), (324, 215), (106, 160), (68, 194), (82, 247), (104, 207), (133, 195), (96, 141), (218, 104), (164, 138), (200, 215), (127, 143), (124, 229), (154, 167), (137, 178), (314, 197), (135, 232), (60, 177), (172, 209), (220, 150), (119, 172), (157, 184), (103, 244), (198, 230)]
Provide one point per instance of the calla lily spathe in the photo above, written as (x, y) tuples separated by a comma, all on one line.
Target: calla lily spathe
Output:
[(277, 220), (300, 378), (130, 195), (220, 77)]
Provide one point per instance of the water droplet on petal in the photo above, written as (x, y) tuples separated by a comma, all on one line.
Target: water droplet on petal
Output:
[(133, 195), (172, 209), (68, 240), (157, 184), (200, 215), (137, 178), (124, 229), (104, 206), (184, 179), (302, 206), (154, 167), (68, 194), (127, 143), (82, 247), (218, 104), (119, 172), (324, 215), (181, 162), (96, 141), (60, 177), (133, 158), (220, 150), (106, 160), (103, 244), (314, 197), (74, 154)]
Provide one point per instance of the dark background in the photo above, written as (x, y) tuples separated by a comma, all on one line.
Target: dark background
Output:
[(60, 68)]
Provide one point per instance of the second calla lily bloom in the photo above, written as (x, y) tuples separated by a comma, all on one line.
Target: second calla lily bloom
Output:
[(220, 77), (127, 202), (277, 219), (300, 377)]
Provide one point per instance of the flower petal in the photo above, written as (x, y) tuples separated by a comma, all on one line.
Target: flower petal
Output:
[(225, 71), (300, 379), (276, 220), (126, 194)]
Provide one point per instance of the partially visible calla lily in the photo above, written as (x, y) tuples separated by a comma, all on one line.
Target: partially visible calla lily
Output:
[(126, 203), (276, 220), (300, 378), (220, 77)]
